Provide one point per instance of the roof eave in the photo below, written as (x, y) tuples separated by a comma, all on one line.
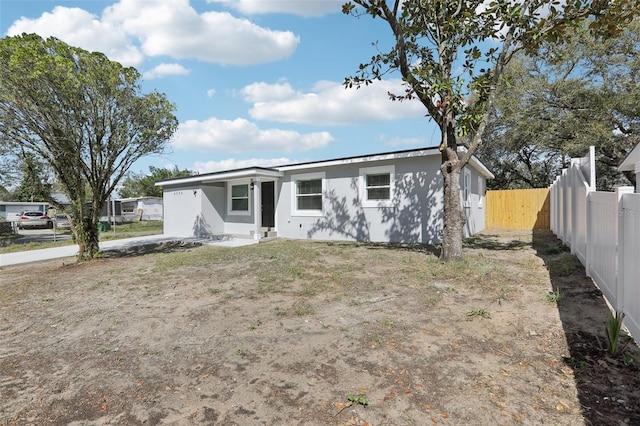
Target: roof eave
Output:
[(629, 163), (254, 172)]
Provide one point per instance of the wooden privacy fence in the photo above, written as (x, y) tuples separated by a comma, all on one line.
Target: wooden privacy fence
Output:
[(518, 209)]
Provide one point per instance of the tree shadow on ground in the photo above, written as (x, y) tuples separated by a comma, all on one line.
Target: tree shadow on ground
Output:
[(492, 242), (608, 386), (430, 249), (152, 248)]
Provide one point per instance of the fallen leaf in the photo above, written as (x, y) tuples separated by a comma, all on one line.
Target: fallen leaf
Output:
[(559, 407), (339, 405), (363, 390), (444, 415), (105, 407), (408, 392)]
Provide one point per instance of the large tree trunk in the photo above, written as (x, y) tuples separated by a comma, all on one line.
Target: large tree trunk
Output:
[(452, 231), (88, 239), (454, 218)]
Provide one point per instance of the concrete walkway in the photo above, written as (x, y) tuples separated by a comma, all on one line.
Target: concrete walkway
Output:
[(72, 250)]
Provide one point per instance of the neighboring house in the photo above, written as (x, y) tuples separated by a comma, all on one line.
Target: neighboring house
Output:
[(10, 210), (632, 164), (142, 208), (111, 211), (389, 197)]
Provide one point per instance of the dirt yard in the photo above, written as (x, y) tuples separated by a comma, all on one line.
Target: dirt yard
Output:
[(309, 333)]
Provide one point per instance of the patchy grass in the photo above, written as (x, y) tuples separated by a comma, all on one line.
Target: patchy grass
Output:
[(280, 332)]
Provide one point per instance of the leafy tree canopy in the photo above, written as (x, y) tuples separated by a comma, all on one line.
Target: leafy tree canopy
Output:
[(143, 185), (82, 115), (552, 106), (452, 54), (35, 185)]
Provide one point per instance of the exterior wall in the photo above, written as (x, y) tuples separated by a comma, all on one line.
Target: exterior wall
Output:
[(238, 223), (151, 209), (415, 214), (182, 211), (474, 205), (213, 208)]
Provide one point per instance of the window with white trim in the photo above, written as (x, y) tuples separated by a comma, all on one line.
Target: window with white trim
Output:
[(377, 186), (466, 186), (307, 194), (239, 198), (480, 192)]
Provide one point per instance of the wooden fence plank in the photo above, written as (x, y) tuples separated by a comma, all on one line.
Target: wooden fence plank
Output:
[(518, 209)]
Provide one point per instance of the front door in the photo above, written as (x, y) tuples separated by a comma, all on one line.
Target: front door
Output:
[(267, 190)]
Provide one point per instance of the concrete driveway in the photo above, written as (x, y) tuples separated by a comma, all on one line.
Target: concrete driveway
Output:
[(72, 250)]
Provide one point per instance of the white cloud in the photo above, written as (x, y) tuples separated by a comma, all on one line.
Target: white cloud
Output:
[(164, 70), (329, 103), (295, 7), (241, 135), (396, 141), (130, 29), (232, 164), (174, 28), (80, 28), (265, 92), (211, 92)]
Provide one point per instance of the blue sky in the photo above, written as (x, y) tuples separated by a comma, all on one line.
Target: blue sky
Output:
[(255, 82)]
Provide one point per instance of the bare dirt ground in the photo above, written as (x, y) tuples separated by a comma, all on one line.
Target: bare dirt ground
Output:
[(310, 333)]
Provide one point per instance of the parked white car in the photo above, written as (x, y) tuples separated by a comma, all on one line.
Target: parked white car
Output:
[(34, 219)]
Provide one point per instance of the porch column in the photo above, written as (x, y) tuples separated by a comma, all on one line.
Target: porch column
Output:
[(257, 208)]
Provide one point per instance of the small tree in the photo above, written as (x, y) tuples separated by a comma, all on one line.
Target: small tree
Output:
[(82, 115), (144, 185), (451, 55)]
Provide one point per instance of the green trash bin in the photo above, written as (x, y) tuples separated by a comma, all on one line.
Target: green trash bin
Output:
[(103, 225)]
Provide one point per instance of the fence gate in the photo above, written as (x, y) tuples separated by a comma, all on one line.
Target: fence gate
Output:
[(518, 209)]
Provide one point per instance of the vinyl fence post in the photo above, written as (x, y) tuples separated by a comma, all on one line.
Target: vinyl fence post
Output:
[(620, 192)]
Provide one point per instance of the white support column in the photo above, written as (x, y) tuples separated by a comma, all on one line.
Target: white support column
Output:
[(257, 208)]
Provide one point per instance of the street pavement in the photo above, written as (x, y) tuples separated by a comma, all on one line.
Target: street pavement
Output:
[(28, 256)]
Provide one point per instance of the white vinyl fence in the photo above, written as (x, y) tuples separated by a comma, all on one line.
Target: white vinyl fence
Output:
[(603, 231)]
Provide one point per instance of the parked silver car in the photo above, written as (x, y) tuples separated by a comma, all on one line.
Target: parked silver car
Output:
[(61, 221), (34, 219)]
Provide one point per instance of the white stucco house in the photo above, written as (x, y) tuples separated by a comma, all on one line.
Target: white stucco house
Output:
[(388, 197)]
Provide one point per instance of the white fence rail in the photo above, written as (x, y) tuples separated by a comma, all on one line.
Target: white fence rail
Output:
[(603, 231)]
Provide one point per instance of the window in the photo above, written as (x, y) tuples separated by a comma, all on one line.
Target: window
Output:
[(128, 207), (480, 192), (466, 186), (376, 186), (239, 199), (308, 193)]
